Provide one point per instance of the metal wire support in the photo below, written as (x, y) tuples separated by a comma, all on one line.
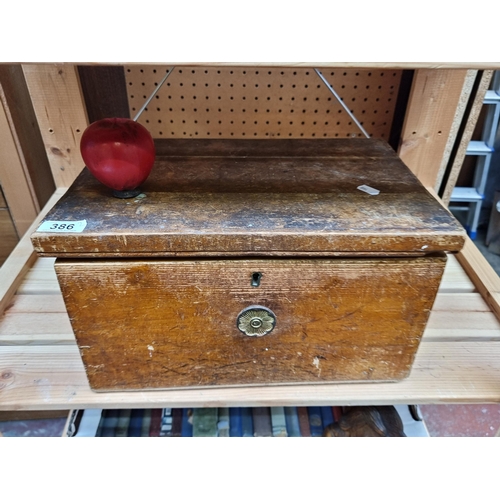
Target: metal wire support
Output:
[(148, 100), (348, 111)]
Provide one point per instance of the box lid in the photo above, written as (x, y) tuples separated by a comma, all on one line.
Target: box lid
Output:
[(256, 197)]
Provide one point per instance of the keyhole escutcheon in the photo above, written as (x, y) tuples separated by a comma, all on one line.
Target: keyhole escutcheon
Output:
[(256, 277)]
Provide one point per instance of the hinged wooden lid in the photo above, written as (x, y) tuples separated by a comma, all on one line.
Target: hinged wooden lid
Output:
[(257, 197)]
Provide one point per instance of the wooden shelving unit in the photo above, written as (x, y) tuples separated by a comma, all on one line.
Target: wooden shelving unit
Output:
[(40, 366), (457, 362)]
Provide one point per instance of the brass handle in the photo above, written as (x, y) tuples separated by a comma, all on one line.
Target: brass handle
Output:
[(256, 321)]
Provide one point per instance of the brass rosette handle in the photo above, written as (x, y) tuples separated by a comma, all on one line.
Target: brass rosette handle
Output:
[(256, 321)]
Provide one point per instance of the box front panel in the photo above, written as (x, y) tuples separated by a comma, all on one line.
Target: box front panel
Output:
[(164, 323)]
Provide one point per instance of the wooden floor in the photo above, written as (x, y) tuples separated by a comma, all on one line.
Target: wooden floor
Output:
[(40, 366)]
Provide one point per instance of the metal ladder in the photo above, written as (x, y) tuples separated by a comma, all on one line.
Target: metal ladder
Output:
[(483, 149)]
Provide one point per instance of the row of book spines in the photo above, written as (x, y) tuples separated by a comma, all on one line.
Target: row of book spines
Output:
[(125, 423), (219, 422), (274, 421), (145, 423)]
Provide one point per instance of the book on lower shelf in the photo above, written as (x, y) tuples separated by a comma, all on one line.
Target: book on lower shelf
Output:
[(221, 422)]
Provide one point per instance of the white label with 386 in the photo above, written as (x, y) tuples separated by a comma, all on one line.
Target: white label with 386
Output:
[(62, 226)]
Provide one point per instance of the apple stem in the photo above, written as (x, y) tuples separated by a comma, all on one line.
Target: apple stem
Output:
[(136, 117)]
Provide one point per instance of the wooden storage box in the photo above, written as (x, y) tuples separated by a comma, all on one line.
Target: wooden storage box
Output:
[(247, 262)]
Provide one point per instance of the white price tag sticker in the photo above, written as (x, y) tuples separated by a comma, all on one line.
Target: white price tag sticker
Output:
[(368, 189), (62, 226)]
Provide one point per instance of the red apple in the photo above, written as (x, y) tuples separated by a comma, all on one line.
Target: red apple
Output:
[(119, 152)]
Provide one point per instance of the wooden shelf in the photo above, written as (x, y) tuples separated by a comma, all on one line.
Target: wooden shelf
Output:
[(40, 366), (458, 360), (326, 64)]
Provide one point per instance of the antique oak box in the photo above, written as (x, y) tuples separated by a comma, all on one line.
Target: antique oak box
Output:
[(247, 262)]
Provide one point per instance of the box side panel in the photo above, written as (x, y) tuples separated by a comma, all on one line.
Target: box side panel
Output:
[(160, 324)]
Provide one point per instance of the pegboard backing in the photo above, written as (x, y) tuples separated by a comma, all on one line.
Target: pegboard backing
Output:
[(255, 102)]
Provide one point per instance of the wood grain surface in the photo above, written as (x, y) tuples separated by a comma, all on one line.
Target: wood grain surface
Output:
[(16, 185), (171, 323), (20, 260), (26, 133), (104, 91), (258, 197), (61, 115), (435, 109)]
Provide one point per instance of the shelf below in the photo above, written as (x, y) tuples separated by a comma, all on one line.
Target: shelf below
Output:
[(465, 194), (491, 97), (479, 148), (40, 366)]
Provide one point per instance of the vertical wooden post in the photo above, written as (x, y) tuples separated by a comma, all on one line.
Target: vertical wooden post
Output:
[(60, 111), (16, 185), (23, 124), (437, 103)]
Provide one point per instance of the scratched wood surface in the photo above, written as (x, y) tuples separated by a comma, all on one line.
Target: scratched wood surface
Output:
[(258, 197), (173, 323)]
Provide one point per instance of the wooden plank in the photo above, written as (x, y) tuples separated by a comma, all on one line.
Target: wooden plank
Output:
[(104, 90), (455, 279), (389, 65), (460, 326), (40, 280), (36, 328), (461, 107), (52, 377), (61, 116), (15, 184), (21, 259), (456, 301), (26, 132), (436, 106), (3, 203), (466, 135), (39, 303), (6, 416), (461, 317), (484, 277), (47, 263)]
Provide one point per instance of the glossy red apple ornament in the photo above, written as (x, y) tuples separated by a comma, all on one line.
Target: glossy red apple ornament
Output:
[(119, 152)]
